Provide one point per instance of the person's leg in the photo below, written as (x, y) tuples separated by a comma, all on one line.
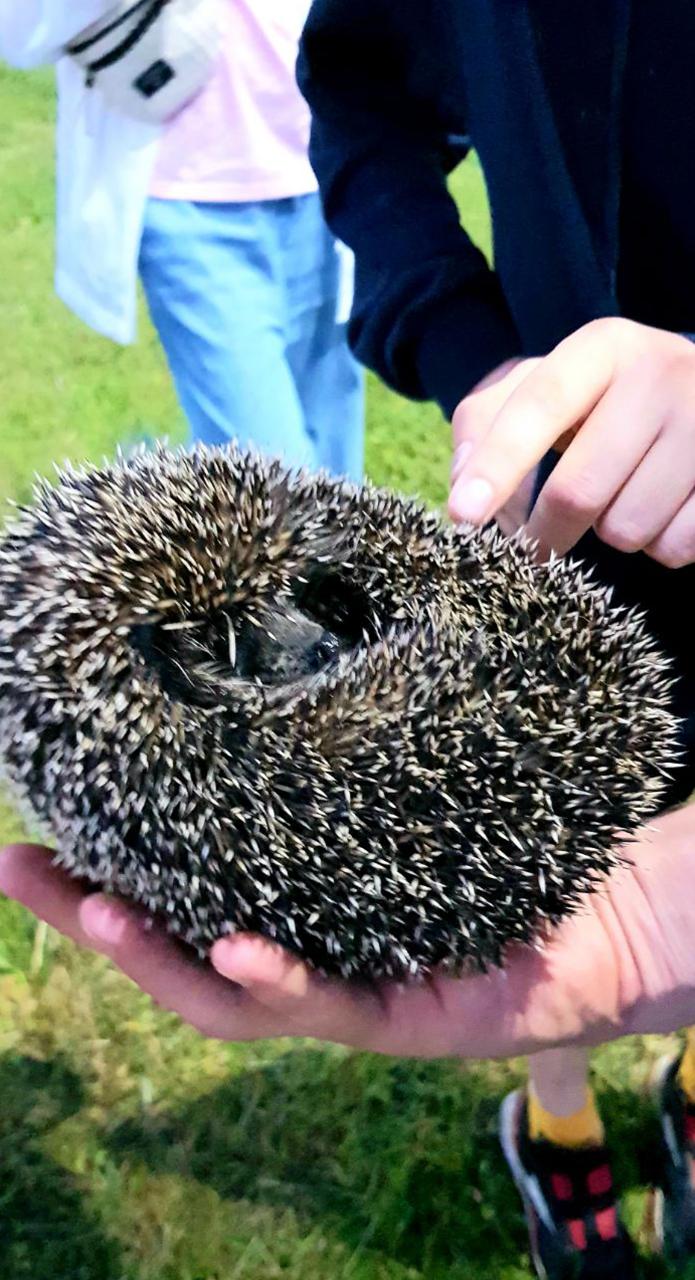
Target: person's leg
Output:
[(553, 1140), (329, 382), (214, 288), (561, 1104)]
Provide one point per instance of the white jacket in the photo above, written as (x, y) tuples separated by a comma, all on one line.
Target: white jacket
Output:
[(104, 165)]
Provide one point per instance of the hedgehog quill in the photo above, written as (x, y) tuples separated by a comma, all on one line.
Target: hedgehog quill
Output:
[(249, 700)]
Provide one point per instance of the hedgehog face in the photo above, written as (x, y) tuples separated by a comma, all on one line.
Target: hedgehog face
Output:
[(288, 705), (280, 641), (205, 659), (283, 646)]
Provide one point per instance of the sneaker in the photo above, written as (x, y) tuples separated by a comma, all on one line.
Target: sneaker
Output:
[(574, 1227), (674, 1198)]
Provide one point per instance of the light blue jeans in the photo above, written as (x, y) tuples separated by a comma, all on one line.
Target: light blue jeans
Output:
[(244, 299)]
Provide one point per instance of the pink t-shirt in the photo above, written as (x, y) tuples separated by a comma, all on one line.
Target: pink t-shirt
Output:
[(245, 136)]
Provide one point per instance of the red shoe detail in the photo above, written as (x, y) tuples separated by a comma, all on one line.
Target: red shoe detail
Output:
[(562, 1186), (599, 1181), (607, 1223), (577, 1233)]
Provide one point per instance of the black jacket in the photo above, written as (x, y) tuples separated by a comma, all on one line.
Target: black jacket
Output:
[(583, 116)]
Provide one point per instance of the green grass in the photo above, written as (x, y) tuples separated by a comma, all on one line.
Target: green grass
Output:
[(129, 1148)]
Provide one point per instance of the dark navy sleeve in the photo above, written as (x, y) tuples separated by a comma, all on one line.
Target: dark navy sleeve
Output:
[(429, 314)]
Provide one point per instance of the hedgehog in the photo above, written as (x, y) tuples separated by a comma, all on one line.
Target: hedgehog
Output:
[(255, 700)]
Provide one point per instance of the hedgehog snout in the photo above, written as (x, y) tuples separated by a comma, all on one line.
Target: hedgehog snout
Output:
[(286, 646)]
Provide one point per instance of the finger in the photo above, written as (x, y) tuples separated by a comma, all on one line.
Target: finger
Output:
[(317, 1007), (514, 514), (675, 545), (490, 1015), (28, 876), (173, 979), (555, 396), (651, 499), (430, 1019), (474, 415), (151, 959), (597, 464)]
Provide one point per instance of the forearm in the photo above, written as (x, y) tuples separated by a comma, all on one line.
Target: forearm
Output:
[(429, 314)]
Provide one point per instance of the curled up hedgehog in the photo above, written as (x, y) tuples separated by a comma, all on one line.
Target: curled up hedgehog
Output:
[(250, 700)]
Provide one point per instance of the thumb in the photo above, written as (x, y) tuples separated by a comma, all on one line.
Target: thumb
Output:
[(318, 1007)]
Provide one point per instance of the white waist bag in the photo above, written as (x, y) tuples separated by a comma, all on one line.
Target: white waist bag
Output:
[(148, 58)]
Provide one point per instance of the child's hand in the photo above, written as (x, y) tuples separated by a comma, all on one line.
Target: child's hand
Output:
[(624, 964), (514, 512), (620, 398)]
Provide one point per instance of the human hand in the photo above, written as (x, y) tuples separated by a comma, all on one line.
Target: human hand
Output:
[(620, 398), (512, 515), (625, 964)]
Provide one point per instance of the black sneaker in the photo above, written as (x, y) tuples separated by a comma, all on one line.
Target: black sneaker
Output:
[(574, 1227), (674, 1199)]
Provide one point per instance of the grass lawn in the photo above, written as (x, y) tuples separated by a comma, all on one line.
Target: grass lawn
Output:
[(129, 1148)]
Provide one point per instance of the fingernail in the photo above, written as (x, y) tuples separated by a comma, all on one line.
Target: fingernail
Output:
[(104, 922), (461, 453), (471, 500)]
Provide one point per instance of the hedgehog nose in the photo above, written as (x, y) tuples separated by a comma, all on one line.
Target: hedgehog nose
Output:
[(324, 651)]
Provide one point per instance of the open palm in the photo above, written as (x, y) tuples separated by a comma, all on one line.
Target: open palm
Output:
[(625, 963)]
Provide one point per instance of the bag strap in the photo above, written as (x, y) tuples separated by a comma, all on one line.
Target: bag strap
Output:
[(131, 40), (81, 46)]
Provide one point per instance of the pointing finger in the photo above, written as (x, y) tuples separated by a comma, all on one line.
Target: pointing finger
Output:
[(556, 395)]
